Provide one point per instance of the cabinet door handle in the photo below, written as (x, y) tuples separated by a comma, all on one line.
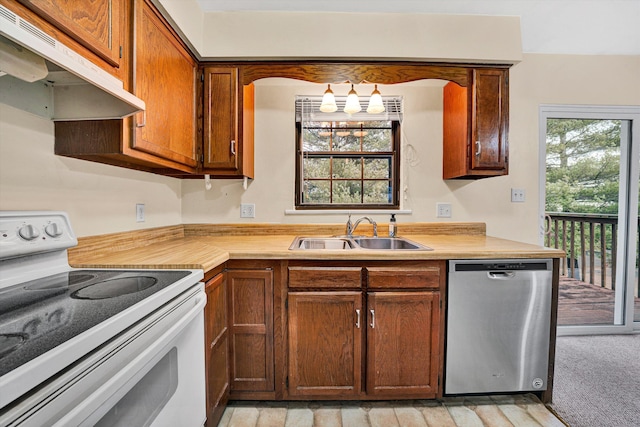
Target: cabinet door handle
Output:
[(357, 318), (233, 147), (144, 120), (478, 148), (373, 319)]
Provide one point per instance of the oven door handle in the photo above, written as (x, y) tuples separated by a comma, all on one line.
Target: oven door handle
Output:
[(97, 404)]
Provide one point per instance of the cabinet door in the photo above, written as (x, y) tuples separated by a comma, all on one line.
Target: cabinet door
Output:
[(325, 343), (165, 76), (97, 25), (221, 118), (228, 124), (251, 312), (403, 344), (489, 119), (216, 348)]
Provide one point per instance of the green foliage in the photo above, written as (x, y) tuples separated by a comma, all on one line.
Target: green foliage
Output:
[(583, 165)]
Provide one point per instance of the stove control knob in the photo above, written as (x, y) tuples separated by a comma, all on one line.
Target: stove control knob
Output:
[(28, 232), (53, 230)]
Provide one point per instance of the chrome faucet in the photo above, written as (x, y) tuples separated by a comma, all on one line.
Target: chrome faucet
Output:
[(352, 227)]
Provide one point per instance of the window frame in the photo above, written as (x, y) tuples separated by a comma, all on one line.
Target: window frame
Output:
[(394, 179)]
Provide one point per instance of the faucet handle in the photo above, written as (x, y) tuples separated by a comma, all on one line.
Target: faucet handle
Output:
[(349, 226)]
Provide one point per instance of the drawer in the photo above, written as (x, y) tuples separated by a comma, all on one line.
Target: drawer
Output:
[(325, 277), (403, 277)]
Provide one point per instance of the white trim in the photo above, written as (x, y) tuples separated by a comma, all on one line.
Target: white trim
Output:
[(347, 212), (628, 201)]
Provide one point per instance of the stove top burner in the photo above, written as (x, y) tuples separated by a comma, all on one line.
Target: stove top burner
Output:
[(10, 342), (115, 287)]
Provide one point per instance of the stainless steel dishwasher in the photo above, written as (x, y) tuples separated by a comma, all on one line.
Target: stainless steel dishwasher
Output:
[(498, 326)]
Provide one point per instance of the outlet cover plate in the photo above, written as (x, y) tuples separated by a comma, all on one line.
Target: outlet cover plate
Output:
[(517, 195), (140, 212), (247, 210), (443, 210)]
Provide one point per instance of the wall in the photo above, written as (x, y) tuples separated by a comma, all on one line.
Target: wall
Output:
[(538, 79), (99, 198)]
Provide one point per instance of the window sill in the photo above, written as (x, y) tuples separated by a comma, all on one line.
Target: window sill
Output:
[(348, 211)]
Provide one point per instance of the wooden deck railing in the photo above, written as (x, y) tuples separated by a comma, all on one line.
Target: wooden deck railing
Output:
[(590, 242)]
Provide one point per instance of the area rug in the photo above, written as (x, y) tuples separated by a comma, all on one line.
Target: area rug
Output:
[(597, 380)]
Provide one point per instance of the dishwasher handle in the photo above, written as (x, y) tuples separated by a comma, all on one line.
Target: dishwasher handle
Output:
[(501, 275)]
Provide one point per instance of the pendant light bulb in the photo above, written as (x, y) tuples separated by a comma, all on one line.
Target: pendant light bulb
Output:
[(376, 106), (352, 105), (328, 101)]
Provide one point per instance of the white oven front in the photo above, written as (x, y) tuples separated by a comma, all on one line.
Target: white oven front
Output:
[(150, 375)]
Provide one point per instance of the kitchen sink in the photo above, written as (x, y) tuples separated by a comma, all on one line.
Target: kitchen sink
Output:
[(346, 243), (389, 243), (321, 243)]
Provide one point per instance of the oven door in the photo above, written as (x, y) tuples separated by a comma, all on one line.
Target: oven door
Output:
[(151, 375)]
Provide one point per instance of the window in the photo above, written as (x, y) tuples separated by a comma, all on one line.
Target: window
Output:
[(347, 162)]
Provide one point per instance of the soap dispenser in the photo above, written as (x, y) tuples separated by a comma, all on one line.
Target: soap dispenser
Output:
[(392, 226)]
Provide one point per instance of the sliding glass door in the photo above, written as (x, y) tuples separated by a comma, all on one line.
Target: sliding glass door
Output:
[(589, 209)]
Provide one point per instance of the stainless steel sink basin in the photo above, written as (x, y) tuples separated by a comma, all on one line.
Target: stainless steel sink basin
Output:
[(336, 243), (345, 243), (389, 243)]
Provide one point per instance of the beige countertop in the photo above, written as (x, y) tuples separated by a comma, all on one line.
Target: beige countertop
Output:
[(172, 247)]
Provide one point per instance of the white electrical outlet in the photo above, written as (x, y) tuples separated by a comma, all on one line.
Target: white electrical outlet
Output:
[(140, 212), (517, 195), (443, 210), (247, 210)]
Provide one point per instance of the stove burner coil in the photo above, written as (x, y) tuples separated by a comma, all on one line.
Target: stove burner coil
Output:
[(114, 288)]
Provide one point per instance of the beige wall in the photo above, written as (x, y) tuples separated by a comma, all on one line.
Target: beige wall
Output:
[(538, 79), (99, 198)]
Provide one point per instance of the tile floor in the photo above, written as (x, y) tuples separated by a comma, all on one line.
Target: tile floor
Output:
[(494, 411)]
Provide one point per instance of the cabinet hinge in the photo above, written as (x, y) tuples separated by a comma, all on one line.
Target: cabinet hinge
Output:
[(120, 52), (286, 304), (202, 77), (286, 381)]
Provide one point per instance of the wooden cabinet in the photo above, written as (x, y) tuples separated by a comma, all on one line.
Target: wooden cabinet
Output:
[(475, 124), (251, 330), (403, 344), (162, 139), (228, 124), (97, 25), (325, 343), (383, 322), (216, 348)]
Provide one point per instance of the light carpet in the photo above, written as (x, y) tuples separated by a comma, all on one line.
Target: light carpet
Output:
[(597, 380)]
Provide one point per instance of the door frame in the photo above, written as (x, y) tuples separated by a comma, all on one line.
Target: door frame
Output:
[(630, 160)]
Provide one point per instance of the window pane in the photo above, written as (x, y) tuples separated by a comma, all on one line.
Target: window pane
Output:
[(313, 140), (346, 141), (316, 168), (377, 168), (347, 168), (317, 192), (347, 191), (378, 192), (377, 140)]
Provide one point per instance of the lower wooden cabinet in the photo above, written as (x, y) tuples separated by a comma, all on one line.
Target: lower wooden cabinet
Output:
[(216, 348), (403, 343), (251, 330), (381, 340), (325, 343)]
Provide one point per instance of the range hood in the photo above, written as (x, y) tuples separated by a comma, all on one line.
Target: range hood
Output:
[(43, 76)]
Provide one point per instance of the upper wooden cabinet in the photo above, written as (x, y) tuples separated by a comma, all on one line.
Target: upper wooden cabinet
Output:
[(165, 76), (97, 25), (475, 125), (162, 139), (228, 124)]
